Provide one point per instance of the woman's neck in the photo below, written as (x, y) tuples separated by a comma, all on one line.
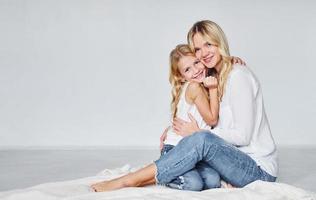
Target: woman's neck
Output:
[(218, 66)]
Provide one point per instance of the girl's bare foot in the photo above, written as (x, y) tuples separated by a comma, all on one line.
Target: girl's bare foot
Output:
[(107, 185), (142, 177)]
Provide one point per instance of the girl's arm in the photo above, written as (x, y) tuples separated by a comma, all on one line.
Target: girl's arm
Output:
[(207, 108)]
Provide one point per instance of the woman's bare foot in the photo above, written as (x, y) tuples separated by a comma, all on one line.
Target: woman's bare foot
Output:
[(107, 185)]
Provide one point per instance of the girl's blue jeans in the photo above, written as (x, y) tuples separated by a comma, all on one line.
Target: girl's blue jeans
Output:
[(199, 178), (200, 160)]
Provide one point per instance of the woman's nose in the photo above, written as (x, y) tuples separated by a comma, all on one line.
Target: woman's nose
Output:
[(204, 53)]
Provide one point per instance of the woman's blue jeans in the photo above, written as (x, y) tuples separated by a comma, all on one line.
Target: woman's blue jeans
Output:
[(231, 164)]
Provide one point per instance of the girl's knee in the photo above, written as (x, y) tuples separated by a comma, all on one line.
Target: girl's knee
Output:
[(191, 181), (212, 182), (193, 184)]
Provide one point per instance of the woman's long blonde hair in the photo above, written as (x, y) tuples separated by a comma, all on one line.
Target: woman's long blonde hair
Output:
[(213, 34), (175, 77)]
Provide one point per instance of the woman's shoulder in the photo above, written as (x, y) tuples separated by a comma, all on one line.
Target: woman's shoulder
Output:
[(239, 69), (242, 73)]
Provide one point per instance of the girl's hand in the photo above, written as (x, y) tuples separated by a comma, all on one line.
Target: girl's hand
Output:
[(163, 137), (237, 60), (210, 82), (185, 128)]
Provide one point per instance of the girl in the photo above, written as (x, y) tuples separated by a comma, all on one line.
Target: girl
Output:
[(188, 96)]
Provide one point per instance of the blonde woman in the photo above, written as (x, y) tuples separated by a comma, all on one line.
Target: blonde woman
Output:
[(240, 148), (188, 96)]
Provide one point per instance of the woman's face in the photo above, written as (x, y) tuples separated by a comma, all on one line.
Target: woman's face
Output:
[(191, 69), (206, 52)]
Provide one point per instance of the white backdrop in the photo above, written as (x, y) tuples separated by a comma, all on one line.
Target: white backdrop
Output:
[(95, 72)]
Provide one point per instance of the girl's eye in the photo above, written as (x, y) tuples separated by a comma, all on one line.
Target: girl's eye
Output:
[(187, 69), (209, 44), (196, 62)]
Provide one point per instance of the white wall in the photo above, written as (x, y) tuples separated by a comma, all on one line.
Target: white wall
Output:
[(96, 72)]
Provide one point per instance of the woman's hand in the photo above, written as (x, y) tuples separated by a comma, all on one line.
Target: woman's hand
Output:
[(185, 128), (163, 137), (237, 60)]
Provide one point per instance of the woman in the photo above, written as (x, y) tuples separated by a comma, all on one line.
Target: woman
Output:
[(240, 148)]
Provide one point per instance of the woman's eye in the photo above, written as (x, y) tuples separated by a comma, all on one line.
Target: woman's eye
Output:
[(196, 62), (186, 69), (209, 44)]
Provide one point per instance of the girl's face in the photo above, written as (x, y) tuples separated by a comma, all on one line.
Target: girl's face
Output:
[(191, 69), (206, 52)]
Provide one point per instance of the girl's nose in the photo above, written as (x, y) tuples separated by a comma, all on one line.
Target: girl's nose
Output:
[(195, 69)]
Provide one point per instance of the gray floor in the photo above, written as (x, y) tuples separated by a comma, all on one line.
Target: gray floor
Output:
[(24, 168)]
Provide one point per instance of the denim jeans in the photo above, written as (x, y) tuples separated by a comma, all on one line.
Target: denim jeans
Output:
[(233, 166), (199, 178)]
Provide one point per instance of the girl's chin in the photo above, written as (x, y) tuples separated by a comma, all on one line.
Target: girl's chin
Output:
[(198, 81)]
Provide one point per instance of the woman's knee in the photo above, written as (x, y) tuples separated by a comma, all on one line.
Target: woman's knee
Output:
[(203, 136)]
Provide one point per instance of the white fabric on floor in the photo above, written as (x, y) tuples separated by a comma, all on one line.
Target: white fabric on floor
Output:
[(79, 190)]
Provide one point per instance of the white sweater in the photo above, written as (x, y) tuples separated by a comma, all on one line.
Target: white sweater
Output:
[(243, 121)]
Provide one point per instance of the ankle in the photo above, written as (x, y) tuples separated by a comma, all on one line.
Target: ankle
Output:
[(129, 183)]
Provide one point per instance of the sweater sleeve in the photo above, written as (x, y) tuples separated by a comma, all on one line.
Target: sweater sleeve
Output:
[(241, 93)]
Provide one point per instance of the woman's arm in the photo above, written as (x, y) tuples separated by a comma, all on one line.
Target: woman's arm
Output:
[(185, 128), (242, 92), (163, 137)]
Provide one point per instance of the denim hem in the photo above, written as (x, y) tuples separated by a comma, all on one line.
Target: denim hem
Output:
[(268, 177), (156, 174)]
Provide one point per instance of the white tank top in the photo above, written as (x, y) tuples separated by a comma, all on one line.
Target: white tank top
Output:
[(183, 109)]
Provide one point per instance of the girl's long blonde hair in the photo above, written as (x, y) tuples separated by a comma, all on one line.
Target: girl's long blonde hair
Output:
[(213, 34), (175, 77)]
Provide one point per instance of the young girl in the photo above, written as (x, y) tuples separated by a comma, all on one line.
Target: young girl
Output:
[(188, 97)]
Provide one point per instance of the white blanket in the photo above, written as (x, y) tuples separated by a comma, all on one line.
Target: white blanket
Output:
[(80, 190)]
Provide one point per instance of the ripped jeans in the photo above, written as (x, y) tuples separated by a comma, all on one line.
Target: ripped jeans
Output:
[(200, 178), (213, 153)]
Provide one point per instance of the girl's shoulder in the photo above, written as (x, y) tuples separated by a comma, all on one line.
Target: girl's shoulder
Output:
[(193, 87), (192, 91)]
